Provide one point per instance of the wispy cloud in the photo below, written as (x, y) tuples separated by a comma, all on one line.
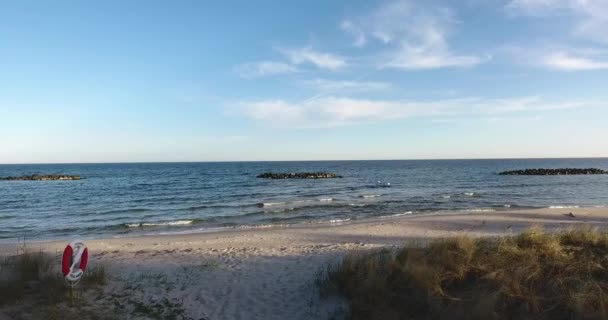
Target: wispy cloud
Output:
[(339, 111), (360, 38), (415, 34), (264, 68), (560, 58), (568, 62), (326, 85), (321, 60), (429, 57), (592, 15)]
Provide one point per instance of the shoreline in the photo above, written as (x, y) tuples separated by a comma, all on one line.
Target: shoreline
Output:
[(189, 230), (270, 273), (418, 226)]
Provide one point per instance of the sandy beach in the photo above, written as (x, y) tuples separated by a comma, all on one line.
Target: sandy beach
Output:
[(270, 273)]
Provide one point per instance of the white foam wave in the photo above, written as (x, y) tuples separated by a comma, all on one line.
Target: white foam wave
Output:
[(478, 210), (326, 199), (270, 204), (563, 207), (407, 213), (446, 196), (154, 224), (369, 196), (338, 220), (356, 204), (470, 194), (303, 201)]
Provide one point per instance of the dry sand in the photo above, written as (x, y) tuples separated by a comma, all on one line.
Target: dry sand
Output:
[(270, 273)]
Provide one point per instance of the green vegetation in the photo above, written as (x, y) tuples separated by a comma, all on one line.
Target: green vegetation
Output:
[(29, 273), (32, 287), (535, 275)]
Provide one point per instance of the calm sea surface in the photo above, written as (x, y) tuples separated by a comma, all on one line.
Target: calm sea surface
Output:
[(122, 199)]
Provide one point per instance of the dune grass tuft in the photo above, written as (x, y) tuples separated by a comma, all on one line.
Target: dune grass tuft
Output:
[(534, 275), (36, 275), (29, 273), (96, 276)]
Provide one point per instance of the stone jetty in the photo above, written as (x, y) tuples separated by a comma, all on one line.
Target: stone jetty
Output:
[(553, 172), (299, 175), (39, 177)]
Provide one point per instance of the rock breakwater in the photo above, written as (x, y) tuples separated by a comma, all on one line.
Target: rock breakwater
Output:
[(38, 177), (299, 175), (553, 172)]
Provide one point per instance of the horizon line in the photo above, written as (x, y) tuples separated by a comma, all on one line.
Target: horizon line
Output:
[(318, 160)]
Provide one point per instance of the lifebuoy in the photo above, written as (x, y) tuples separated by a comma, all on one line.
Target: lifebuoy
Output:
[(74, 261)]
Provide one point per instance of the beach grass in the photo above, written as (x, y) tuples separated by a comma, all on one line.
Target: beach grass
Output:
[(29, 272), (534, 275), (31, 286)]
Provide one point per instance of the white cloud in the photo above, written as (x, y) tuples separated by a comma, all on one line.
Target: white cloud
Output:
[(339, 111), (429, 58), (264, 68), (560, 58), (326, 85), (415, 34), (319, 59), (360, 39), (567, 62), (592, 15)]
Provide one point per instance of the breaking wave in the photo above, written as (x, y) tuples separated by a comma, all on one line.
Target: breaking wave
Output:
[(366, 196), (155, 224)]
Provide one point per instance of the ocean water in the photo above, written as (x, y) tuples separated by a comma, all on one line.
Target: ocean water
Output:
[(148, 198)]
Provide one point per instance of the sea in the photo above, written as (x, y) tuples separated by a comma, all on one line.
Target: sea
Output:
[(114, 200)]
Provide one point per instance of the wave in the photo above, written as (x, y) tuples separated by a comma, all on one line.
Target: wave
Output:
[(338, 220), (133, 210), (156, 224), (563, 207), (470, 194), (370, 196), (303, 201), (446, 196), (407, 213), (269, 204), (388, 185), (214, 206), (296, 203), (478, 210)]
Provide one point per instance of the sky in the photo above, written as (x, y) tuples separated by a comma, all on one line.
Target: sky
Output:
[(145, 81)]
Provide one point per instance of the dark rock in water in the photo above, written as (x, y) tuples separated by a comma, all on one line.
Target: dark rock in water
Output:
[(38, 177), (553, 172), (299, 175)]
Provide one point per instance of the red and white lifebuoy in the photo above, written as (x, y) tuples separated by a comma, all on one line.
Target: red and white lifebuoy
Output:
[(74, 261)]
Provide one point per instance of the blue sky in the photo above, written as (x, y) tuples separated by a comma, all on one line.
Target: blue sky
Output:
[(115, 81)]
